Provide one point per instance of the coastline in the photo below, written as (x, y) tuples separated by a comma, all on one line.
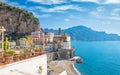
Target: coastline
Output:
[(76, 69), (59, 66), (56, 67)]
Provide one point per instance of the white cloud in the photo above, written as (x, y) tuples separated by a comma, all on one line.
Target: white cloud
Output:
[(112, 2), (66, 19), (94, 13), (72, 16), (61, 8), (98, 12), (100, 1), (48, 1), (115, 14), (114, 18), (35, 14), (95, 1), (45, 16), (41, 15)]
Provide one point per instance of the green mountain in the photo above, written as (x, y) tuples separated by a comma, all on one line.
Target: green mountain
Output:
[(83, 33)]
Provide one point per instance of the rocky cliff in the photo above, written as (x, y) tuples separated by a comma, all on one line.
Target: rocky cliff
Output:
[(17, 22)]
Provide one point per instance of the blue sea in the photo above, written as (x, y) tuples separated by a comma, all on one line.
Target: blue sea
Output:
[(99, 58)]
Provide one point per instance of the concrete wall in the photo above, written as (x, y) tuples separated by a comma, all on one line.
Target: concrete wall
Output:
[(26, 67)]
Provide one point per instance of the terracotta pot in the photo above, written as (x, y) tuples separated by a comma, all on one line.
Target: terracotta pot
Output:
[(8, 58), (16, 57), (1, 60), (37, 52)]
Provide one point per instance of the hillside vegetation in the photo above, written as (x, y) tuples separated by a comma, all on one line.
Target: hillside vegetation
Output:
[(16, 21)]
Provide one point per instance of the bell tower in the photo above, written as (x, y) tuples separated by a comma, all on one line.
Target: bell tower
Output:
[(59, 31)]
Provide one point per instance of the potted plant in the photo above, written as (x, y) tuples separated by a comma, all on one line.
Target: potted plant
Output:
[(16, 57), (9, 56), (37, 51), (9, 53), (28, 53), (24, 56), (21, 54), (40, 49), (1, 60)]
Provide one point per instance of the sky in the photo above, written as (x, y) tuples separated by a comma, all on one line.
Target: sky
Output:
[(100, 15)]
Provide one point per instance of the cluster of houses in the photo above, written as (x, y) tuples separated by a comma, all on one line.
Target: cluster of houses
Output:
[(58, 43), (12, 51), (47, 41)]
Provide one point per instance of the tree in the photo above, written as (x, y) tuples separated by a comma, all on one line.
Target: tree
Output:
[(28, 40), (6, 44)]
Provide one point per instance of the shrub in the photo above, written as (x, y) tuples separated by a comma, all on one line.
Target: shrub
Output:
[(10, 52)]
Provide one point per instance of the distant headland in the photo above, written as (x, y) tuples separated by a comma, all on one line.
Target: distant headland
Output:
[(82, 33)]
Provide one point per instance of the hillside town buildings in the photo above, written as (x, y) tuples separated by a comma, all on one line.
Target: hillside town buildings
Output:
[(62, 45), (59, 44), (51, 42)]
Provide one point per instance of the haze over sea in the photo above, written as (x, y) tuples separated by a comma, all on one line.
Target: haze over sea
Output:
[(99, 58)]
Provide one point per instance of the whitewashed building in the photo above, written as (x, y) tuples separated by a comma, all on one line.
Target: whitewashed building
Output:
[(50, 36), (38, 37), (22, 42), (12, 45), (63, 41), (63, 45), (67, 43)]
